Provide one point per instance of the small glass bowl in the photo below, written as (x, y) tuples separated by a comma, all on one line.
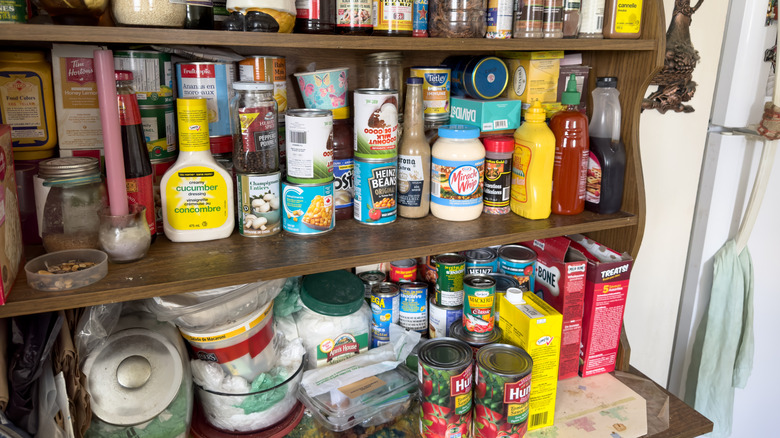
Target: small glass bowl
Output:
[(39, 276)]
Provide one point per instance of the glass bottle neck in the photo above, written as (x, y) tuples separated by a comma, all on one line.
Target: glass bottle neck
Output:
[(414, 112)]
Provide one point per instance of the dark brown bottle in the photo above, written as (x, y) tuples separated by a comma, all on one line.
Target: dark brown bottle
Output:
[(315, 16), (138, 167), (353, 17)]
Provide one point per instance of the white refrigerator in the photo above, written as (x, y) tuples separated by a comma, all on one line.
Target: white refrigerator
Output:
[(728, 171)]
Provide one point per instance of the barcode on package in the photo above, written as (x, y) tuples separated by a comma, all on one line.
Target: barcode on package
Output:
[(501, 124), (538, 419), (298, 137)]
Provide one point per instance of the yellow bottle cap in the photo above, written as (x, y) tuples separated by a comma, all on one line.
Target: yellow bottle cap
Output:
[(340, 113), (536, 113)]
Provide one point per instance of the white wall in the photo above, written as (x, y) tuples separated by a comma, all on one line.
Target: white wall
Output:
[(672, 145)]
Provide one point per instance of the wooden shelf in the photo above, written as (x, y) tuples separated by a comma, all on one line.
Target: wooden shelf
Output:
[(136, 35), (171, 268)]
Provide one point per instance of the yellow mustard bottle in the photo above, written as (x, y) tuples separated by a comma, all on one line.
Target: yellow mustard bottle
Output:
[(27, 104), (532, 166)]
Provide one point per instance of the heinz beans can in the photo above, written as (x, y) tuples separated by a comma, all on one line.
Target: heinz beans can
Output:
[(385, 308), (481, 261), (479, 304), (307, 208), (445, 378), (375, 195), (449, 284), (502, 389), (414, 306), (376, 123), (259, 212), (518, 261), (309, 145), (212, 81)]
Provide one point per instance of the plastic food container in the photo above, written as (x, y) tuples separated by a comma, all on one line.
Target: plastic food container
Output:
[(40, 277), (339, 410)]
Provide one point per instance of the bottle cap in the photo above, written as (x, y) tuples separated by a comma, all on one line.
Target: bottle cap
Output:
[(499, 144), (515, 296), (606, 82), (536, 113), (458, 131), (123, 75), (571, 96), (414, 81), (340, 113), (254, 86)]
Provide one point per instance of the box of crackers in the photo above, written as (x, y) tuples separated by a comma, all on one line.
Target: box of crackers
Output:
[(11, 249)]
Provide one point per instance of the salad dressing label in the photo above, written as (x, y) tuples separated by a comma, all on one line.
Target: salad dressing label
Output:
[(197, 199)]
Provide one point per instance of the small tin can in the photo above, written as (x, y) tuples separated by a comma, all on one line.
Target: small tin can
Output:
[(502, 385), (159, 167), (271, 69), (445, 375), (503, 282), (259, 212), (159, 122), (436, 91), (481, 261), (479, 77), (414, 306), (192, 118), (152, 75), (479, 304), (308, 208), (309, 145), (370, 279), (441, 318), (212, 81), (449, 283), (403, 270), (500, 15), (518, 261), (420, 18), (476, 342), (385, 308), (375, 191), (376, 123)]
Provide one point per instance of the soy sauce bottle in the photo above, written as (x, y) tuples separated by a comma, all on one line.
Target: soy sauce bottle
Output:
[(138, 167)]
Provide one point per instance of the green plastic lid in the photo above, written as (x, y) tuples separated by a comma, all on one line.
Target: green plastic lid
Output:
[(571, 96), (536, 113), (334, 293)]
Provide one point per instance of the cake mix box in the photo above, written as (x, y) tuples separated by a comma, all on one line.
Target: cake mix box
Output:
[(606, 288), (560, 281), (536, 328), (11, 249)]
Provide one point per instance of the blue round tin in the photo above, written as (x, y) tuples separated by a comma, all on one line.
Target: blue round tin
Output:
[(479, 77)]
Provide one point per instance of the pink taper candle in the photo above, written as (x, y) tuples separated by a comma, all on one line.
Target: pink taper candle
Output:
[(112, 136)]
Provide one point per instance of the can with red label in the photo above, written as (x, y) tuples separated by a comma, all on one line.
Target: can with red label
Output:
[(403, 270), (502, 387), (445, 379)]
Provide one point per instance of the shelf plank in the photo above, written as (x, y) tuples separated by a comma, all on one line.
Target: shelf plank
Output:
[(136, 35), (172, 268)]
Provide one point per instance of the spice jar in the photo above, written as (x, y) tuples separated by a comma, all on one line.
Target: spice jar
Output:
[(255, 131), (571, 18), (457, 18), (384, 70), (498, 173), (76, 197), (343, 165), (156, 13)]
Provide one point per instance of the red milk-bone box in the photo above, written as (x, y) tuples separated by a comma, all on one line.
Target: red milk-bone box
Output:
[(606, 288), (10, 224), (560, 281)]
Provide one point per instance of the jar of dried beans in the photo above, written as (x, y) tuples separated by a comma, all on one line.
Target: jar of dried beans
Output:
[(255, 132)]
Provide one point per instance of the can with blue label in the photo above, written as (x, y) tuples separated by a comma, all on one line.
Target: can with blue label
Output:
[(212, 81), (481, 261), (375, 195), (420, 18), (480, 77), (436, 91), (414, 306), (385, 309), (307, 208), (441, 319), (518, 261)]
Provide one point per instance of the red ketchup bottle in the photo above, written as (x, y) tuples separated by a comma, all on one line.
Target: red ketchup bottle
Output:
[(571, 154)]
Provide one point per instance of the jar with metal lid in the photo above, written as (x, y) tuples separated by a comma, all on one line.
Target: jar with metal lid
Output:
[(385, 70), (148, 13), (71, 214), (255, 131), (457, 18)]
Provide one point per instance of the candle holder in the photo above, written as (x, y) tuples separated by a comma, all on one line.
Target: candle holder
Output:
[(125, 238)]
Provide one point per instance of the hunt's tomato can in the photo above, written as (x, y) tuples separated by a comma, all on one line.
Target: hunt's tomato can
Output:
[(502, 386), (445, 378)]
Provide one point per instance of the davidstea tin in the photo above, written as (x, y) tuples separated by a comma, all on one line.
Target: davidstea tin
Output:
[(272, 69), (152, 75), (259, 204), (414, 306), (441, 318), (307, 208), (309, 145), (385, 310), (403, 270), (479, 304), (481, 261), (449, 284), (375, 191), (212, 81), (436, 91), (370, 279), (518, 261), (445, 378), (479, 77), (502, 386), (376, 123), (159, 122)]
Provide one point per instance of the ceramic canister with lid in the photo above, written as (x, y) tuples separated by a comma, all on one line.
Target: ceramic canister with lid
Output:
[(334, 320), (457, 171)]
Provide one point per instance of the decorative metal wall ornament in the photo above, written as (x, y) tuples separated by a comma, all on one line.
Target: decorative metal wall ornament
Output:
[(675, 80)]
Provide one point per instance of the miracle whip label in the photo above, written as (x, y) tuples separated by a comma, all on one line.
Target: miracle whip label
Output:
[(457, 183)]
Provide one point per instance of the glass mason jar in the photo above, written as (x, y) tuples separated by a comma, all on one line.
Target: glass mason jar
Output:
[(385, 70), (77, 195), (148, 13), (255, 131)]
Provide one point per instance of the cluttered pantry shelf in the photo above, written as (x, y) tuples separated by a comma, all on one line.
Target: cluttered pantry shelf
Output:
[(133, 35), (171, 268)]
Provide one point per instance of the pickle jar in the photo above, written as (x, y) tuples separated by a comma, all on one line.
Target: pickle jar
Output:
[(77, 195), (255, 131)]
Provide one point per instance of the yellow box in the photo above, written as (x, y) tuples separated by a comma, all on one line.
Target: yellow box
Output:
[(533, 75), (536, 328)]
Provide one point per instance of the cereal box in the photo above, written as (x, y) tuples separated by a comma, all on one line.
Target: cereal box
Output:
[(11, 249)]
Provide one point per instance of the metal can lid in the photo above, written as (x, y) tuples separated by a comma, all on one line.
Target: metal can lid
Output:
[(504, 281), (505, 360), (517, 253), (449, 259), (133, 376), (372, 277), (308, 112), (479, 281), (68, 167), (383, 57), (405, 263), (446, 353), (385, 289), (481, 255), (473, 339), (413, 285), (334, 293)]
